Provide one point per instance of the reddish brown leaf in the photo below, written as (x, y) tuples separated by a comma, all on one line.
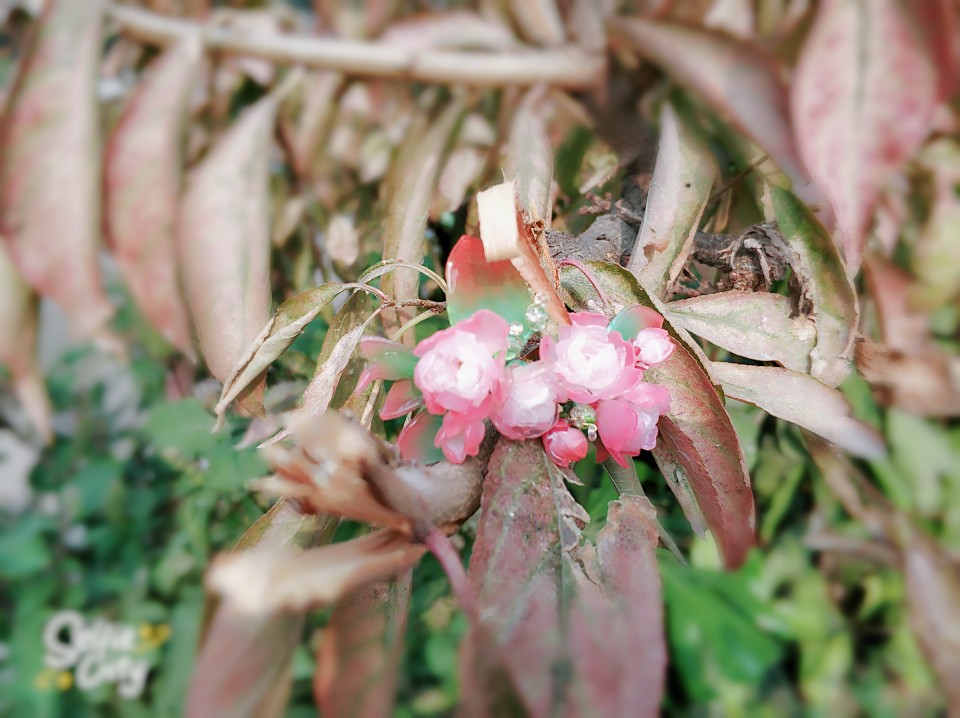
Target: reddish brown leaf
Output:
[(360, 651), (243, 668), (802, 400), (711, 64), (890, 286), (924, 383), (224, 240), (540, 610), (863, 99), (18, 345), (682, 177), (756, 325), (50, 164), (142, 181)]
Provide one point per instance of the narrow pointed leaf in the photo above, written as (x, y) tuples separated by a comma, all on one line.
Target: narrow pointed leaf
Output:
[(402, 398), (224, 243), (417, 439), (710, 63), (142, 182), (755, 325), (472, 280), (530, 158), (802, 400), (18, 345), (360, 651), (679, 190), (50, 164), (825, 286), (243, 668), (863, 100)]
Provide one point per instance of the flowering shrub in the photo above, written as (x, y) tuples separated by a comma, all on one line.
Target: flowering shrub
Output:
[(588, 378)]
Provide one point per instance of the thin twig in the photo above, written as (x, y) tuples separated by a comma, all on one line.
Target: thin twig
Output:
[(440, 546), (569, 67)]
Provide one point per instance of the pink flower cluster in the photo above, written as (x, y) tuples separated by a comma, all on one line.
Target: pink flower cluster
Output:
[(590, 377)]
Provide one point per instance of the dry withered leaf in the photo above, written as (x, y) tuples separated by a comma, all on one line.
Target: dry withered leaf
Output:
[(925, 383)]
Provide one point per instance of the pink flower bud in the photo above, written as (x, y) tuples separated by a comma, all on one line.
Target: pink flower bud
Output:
[(565, 444), (653, 346)]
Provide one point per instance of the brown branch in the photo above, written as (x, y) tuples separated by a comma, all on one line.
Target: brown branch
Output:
[(569, 67)]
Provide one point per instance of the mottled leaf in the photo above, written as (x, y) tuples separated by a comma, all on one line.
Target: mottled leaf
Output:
[(825, 286), (575, 629), (18, 345), (755, 325), (864, 94), (50, 164), (710, 64), (360, 651), (802, 400), (470, 277), (679, 190), (224, 243), (243, 668), (142, 184)]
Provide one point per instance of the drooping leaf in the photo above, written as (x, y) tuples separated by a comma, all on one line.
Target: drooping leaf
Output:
[(224, 243), (18, 345), (530, 157), (863, 99), (710, 63), (698, 450), (50, 164), (406, 222), (142, 184), (360, 651), (802, 400), (243, 668), (755, 325), (825, 286), (281, 331), (679, 190), (545, 602), (475, 283)]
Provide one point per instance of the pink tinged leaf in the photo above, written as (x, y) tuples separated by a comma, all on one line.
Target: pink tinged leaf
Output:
[(385, 360), (824, 286), (755, 325), (415, 178), (698, 446), (864, 95), (18, 346), (224, 242), (142, 183), (417, 440), (890, 286), (740, 82), (616, 636), (243, 666), (802, 400), (360, 651), (50, 164), (632, 320), (402, 398), (937, 20), (679, 190), (474, 284)]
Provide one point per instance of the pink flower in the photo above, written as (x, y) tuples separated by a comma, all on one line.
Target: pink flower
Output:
[(628, 425), (593, 362), (529, 405), (653, 346), (564, 444), (460, 436), (461, 368)]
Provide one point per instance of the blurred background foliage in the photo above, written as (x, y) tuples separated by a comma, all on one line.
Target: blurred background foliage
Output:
[(120, 514)]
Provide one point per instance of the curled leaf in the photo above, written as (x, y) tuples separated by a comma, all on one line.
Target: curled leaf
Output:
[(142, 183), (801, 400), (50, 164), (224, 243), (679, 190)]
